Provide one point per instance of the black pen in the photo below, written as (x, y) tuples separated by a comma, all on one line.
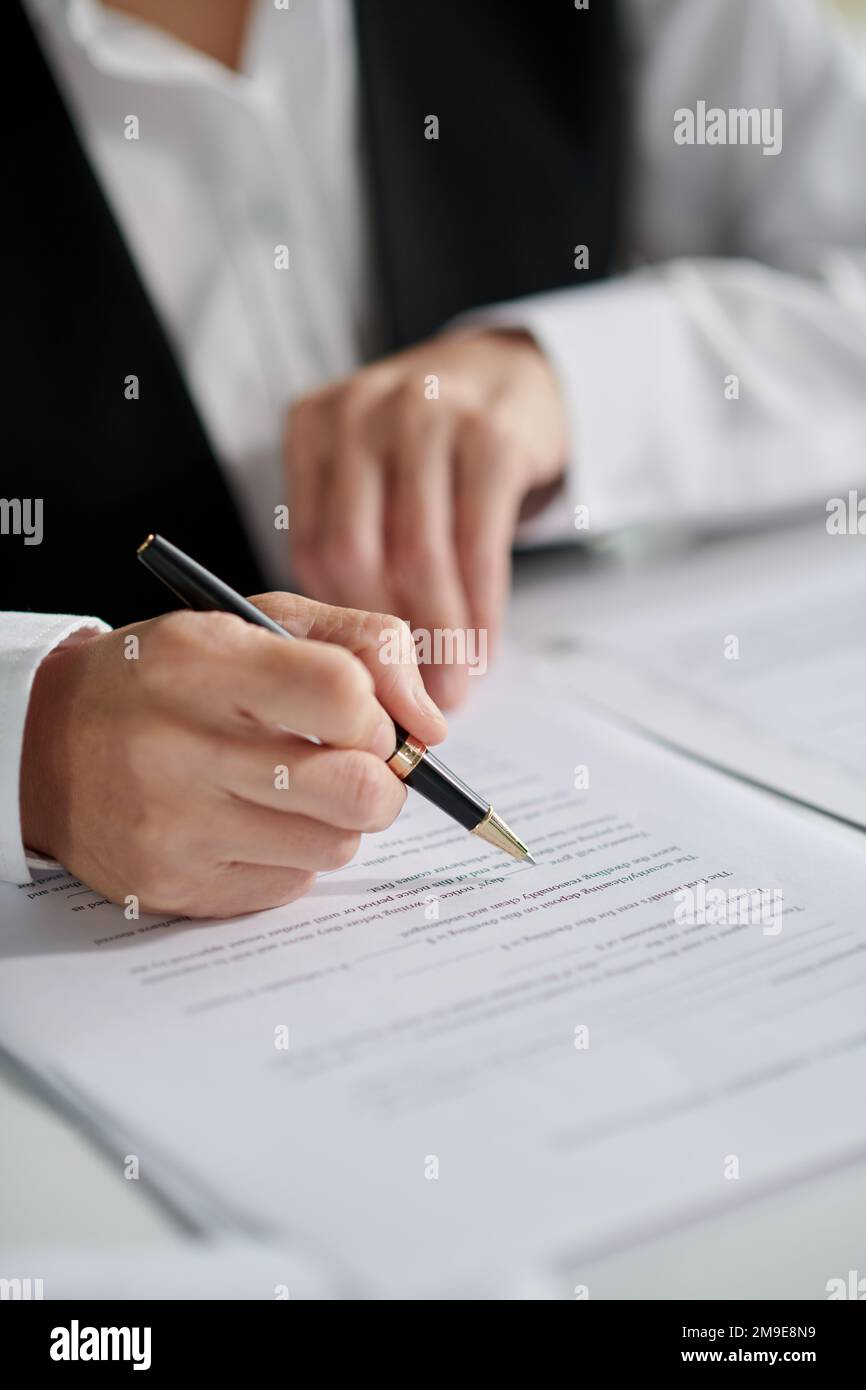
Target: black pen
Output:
[(411, 760)]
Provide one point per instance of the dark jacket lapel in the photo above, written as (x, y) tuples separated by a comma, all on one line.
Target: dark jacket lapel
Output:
[(77, 323), (528, 163)]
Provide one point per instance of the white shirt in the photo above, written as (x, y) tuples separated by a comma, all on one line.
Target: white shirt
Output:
[(737, 265)]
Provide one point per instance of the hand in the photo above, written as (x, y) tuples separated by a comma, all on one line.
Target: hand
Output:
[(409, 504), (163, 776)]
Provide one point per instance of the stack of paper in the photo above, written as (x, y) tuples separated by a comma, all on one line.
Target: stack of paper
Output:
[(446, 1073), (754, 659)]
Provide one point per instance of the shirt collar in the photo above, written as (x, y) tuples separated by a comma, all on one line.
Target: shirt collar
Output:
[(123, 46)]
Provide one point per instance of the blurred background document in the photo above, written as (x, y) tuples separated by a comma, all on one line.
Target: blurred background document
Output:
[(750, 654)]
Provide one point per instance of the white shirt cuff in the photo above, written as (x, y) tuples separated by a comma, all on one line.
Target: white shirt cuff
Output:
[(604, 342), (542, 317), (597, 339), (25, 638)]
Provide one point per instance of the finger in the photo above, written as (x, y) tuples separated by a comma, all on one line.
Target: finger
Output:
[(376, 639), (421, 554), (306, 455), (487, 501), (220, 671), (351, 552), (245, 834), (350, 789), (233, 890)]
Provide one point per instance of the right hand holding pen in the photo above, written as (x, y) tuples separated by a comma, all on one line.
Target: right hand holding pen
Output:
[(166, 775)]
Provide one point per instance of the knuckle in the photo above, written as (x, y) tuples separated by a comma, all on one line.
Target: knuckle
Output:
[(491, 439), (276, 604), (214, 629), (391, 635), (408, 395), (357, 784), (390, 622), (370, 794), (155, 874), (347, 555), (484, 431), (414, 418), (173, 635), (179, 636), (499, 416), (353, 404), (418, 560), (348, 683), (168, 892), (224, 897), (383, 811), (474, 420), (297, 882), (339, 849)]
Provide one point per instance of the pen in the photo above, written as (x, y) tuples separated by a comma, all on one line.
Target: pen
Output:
[(411, 760)]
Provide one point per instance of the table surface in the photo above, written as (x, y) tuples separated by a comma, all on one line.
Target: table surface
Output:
[(58, 1192)]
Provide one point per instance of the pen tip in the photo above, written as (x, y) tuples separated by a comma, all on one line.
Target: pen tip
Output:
[(494, 830), (531, 857)]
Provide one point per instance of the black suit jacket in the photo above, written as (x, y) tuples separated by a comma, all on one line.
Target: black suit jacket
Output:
[(527, 165)]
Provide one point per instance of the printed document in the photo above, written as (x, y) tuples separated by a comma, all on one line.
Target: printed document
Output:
[(447, 1073)]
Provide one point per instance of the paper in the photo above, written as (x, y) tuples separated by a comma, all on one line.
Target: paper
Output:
[(444, 1073), (761, 673), (231, 1269)]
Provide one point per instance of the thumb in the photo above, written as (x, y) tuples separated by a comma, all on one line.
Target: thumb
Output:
[(382, 642)]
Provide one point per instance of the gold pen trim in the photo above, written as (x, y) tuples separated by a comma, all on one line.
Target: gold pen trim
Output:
[(407, 757), (494, 831)]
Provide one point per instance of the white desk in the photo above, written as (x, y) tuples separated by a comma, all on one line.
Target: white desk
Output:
[(58, 1192)]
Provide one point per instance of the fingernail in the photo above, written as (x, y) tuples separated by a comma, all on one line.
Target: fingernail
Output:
[(385, 740), (426, 705), (452, 686)]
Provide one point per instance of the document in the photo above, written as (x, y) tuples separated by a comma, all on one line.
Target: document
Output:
[(228, 1269), (444, 1073), (758, 667)]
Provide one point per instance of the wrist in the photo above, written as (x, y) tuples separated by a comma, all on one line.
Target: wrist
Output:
[(44, 751)]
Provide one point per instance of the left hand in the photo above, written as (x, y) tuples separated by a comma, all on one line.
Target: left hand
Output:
[(406, 501)]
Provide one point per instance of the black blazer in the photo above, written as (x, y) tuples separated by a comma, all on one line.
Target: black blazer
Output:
[(527, 165)]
